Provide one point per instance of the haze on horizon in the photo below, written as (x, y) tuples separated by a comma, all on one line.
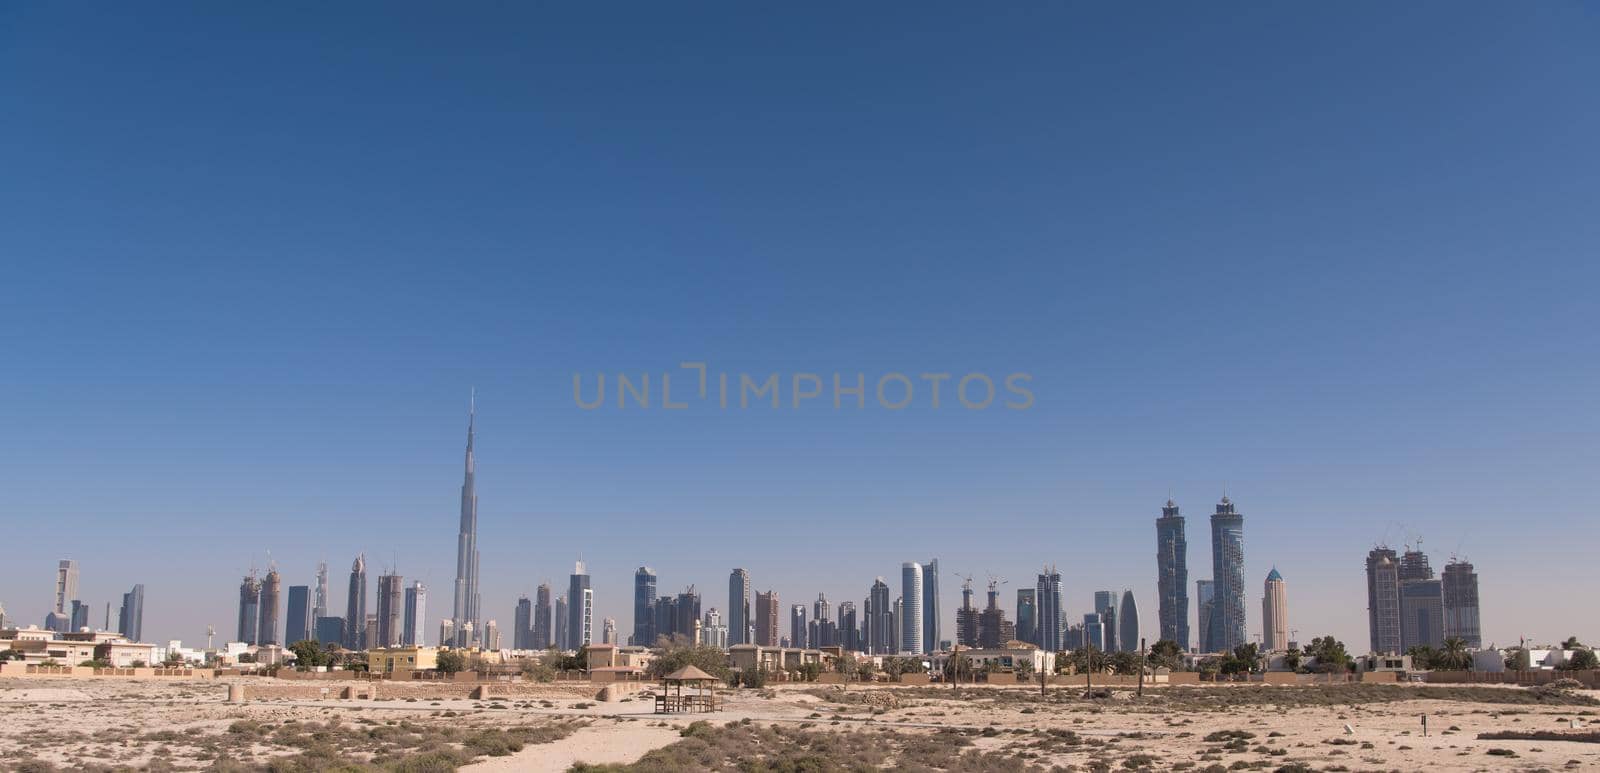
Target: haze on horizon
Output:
[(1338, 261)]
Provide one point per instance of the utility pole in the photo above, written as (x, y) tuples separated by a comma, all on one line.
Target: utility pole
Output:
[(1142, 661)]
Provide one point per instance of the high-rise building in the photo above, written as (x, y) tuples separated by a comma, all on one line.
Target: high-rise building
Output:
[(1421, 614), (1205, 599), (249, 608), (714, 631), (849, 633), (355, 614), (522, 626), (911, 606), (1275, 613), (416, 615), (267, 629), (767, 619), (1094, 631), (297, 615), (797, 626), (1052, 618), (319, 606), (491, 636), (1460, 584), (541, 618), (330, 630), (1414, 566), (1227, 571), (1383, 600), (993, 628), (967, 618), (1128, 623), (738, 606), (580, 608), (466, 609), (608, 631), (391, 610), (930, 606), (1027, 614), (1172, 576), (130, 621), (66, 584), (644, 601), (563, 619), (1105, 602), (447, 633), (881, 634)]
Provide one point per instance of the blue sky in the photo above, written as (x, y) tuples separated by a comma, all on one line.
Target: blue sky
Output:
[(1339, 260)]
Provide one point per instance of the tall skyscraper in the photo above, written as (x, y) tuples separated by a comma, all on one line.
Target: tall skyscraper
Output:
[(416, 615), (1052, 619), (911, 600), (271, 588), (66, 584), (738, 606), (522, 625), (447, 633), (541, 617), (967, 618), (297, 615), (563, 619), (849, 633), (490, 640), (608, 631), (1128, 623), (355, 617), (930, 606), (644, 601), (1105, 603), (767, 619), (1421, 614), (580, 608), (880, 631), (330, 630), (1172, 576), (797, 626), (1275, 613), (714, 631), (1383, 600), (130, 621), (994, 631), (1461, 604), (391, 610), (1027, 614), (466, 589), (1227, 571), (1094, 631), (1205, 599), (319, 606), (249, 608)]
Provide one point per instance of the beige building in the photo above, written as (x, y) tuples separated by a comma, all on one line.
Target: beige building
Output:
[(1275, 614), (402, 660)]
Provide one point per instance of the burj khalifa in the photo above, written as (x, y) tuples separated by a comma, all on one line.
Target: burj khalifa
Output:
[(464, 618)]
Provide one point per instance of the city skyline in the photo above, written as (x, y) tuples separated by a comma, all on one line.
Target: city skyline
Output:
[(1347, 289)]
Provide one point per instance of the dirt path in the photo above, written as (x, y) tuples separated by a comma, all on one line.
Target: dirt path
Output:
[(610, 743)]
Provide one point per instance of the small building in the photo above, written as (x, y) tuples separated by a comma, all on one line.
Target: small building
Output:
[(1009, 658), (125, 654), (402, 660)]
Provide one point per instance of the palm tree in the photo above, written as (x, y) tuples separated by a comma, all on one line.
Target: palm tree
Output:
[(1454, 655)]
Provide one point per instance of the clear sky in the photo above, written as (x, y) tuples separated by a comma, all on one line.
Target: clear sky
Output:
[(1338, 258)]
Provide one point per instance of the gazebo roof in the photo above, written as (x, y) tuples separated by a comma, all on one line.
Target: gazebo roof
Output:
[(689, 674)]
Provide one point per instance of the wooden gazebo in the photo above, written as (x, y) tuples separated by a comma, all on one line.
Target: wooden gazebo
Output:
[(701, 698)]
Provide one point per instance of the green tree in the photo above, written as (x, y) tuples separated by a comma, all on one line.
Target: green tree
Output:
[(1571, 643), (1453, 656), (680, 653), (1125, 663), (94, 664), (174, 659), (1424, 657), (1517, 659), (9, 654), (1245, 659), (1291, 660), (1581, 660), (1087, 659), (450, 662), (308, 654), (1024, 668), (538, 670), (809, 672), (958, 668), (1166, 654), (866, 669), (1330, 655)]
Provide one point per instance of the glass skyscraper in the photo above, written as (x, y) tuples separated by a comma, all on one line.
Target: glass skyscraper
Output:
[(1172, 576), (1227, 572)]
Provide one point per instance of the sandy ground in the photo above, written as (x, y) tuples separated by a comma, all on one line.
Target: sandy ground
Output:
[(110, 722), (610, 743)]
